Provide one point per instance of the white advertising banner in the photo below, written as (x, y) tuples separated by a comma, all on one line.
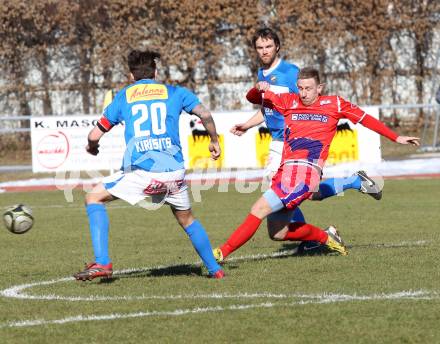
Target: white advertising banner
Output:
[(369, 141), (58, 144)]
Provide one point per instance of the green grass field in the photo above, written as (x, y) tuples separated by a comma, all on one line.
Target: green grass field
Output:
[(386, 290)]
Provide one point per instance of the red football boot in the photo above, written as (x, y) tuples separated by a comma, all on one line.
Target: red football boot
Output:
[(219, 274), (93, 270)]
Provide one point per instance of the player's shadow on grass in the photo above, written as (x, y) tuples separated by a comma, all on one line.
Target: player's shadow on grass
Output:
[(322, 250), (288, 246), (287, 250), (296, 250), (175, 270)]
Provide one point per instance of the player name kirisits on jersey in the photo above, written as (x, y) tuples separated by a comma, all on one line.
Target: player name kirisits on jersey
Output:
[(160, 144)]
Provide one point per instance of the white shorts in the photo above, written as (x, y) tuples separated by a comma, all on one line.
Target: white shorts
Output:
[(135, 186), (274, 159)]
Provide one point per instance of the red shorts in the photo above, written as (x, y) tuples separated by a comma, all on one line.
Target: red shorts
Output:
[(294, 183)]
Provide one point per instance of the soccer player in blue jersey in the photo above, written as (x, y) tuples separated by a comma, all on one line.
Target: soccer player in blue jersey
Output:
[(282, 77), (153, 163)]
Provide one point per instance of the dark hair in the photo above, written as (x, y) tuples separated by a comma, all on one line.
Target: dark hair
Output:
[(142, 64), (266, 33), (309, 73)]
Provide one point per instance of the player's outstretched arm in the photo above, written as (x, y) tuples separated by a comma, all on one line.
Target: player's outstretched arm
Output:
[(241, 128), (380, 128), (94, 136), (408, 140), (208, 122)]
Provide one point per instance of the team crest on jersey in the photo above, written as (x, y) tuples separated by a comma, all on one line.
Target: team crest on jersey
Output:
[(146, 92), (294, 104), (273, 78), (324, 102)]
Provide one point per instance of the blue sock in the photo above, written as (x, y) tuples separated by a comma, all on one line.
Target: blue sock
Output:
[(298, 216), (200, 241), (98, 221), (333, 186)]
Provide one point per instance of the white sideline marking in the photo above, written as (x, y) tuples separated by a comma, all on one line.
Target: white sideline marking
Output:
[(75, 207), (391, 245), (315, 299), (404, 244), (17, 291), (302, 299)]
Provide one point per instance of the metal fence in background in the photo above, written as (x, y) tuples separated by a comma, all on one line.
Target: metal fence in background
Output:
[(411, 115), (13, 124), (407, 115), (424, 117)]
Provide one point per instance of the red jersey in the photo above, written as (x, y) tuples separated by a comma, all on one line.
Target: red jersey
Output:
[(309, 130)]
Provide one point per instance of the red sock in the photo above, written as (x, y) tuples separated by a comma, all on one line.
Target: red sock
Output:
[(241, 235), (299, 231)]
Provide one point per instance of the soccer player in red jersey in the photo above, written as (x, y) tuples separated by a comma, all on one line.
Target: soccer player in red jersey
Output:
[(310, 125), (282, 76)]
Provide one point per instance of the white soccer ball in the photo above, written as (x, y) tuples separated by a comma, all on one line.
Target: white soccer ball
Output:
[(18, 219)]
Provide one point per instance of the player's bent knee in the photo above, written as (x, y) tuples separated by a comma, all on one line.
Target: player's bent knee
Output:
[(91, 198), (272, 236), (278, 235), (98, 194), (316, 196), (184, 217), (185, 222), (276, 229), (261, 208)]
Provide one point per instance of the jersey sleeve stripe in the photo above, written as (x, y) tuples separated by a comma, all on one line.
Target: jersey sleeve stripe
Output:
[(351, 115), (104, 124), (362, 117)]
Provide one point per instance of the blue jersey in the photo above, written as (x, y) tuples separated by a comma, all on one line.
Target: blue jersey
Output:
[(282, 78), (151, 112)]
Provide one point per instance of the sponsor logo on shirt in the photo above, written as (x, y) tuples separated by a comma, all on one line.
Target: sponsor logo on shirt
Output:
[(273, 78), (324, 102), (268, 111), (146, 92), (309, 117)]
